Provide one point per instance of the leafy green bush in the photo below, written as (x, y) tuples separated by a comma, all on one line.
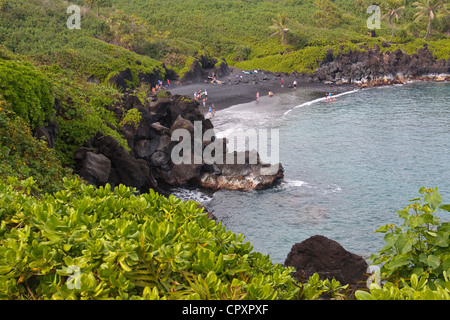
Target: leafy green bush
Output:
[(96, 58), (440, 49), (420, 245), (414, 289), (416, 258), (132, 117), (188, 63), (96, 243), (87, 243), (303, 61), (27, 90)]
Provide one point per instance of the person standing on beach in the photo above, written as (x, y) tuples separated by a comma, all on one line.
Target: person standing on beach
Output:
[(295, 84), (204, 103), (257, 96), (282, 82)]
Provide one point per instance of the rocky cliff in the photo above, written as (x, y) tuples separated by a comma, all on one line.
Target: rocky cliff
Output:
[(373, 67), (149, 164)]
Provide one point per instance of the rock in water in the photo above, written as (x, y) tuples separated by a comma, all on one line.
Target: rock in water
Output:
[(244, 177), (329, 259)]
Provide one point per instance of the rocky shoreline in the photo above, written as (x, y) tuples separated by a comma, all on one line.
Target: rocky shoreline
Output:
[(336, 73), (372, 67)]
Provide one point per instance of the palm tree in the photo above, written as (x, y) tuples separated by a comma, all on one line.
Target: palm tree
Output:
[(428, 8), (280, 25), (98, 4), (393, 7)]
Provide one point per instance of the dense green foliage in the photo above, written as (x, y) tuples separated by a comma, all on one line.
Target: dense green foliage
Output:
[(415, 261), (38, 29), (43, 62), (421, 244), (413, 288), (80, 106), (26, 89), (88, 243), (241, 29)]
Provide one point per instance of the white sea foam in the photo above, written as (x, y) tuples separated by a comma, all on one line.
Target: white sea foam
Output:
[(291, 184), (319, 100), (295, 183), (191, 194)]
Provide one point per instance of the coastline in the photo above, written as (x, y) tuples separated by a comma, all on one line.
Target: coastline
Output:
[(233, 91)]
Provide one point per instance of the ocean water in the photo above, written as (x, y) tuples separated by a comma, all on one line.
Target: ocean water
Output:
[(350, 165)]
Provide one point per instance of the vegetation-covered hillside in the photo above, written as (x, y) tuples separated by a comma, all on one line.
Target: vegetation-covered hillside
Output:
[(248, 33), (249, 30)]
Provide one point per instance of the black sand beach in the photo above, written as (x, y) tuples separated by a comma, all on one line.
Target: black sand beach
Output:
[(233, 91)]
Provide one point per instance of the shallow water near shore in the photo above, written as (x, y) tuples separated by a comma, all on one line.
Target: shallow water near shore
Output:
[(350, 165)]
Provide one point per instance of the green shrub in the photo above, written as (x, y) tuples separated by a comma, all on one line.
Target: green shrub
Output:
[(96, 58), (22, 156), (415, 262), (96, 243), (88, 243), (420, 245), (188, 63), (440, 49), (415, 288), (162, 94), (304, 60), (27, 90), (132, 117)]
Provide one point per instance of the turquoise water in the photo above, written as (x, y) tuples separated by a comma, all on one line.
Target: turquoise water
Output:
[(349, 165)]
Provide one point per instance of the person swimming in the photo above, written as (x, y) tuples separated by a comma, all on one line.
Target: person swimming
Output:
[(329, 97)]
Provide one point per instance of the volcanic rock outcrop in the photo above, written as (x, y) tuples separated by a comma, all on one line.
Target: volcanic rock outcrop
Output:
[(371, 67), (329, 259), (149, 163)]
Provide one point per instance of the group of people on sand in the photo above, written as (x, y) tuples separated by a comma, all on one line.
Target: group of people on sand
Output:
[(160, 85), (203, 97)]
